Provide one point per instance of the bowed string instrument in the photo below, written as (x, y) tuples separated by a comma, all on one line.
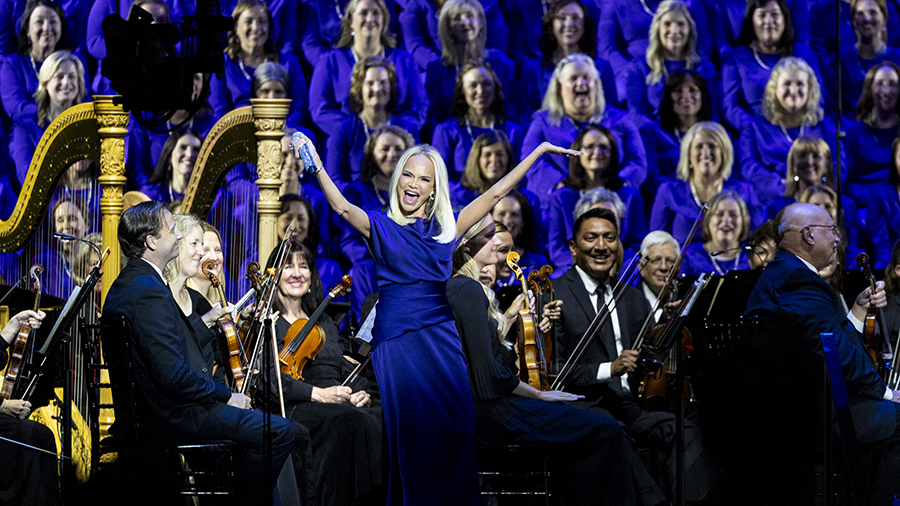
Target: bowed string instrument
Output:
[(873, 331), (542, 288), (533, 360), (17, 360), (237, 357)]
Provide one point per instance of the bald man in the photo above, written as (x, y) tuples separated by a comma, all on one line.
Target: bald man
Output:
[(793, 301)]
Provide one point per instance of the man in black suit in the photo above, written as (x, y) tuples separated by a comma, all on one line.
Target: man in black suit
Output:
[(176, 396), (793, 302), (605, 374)]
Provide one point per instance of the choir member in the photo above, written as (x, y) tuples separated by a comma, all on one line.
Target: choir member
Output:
[(71, 216), (763, 244), (790, 109), (320, 25), (808, 164), (729, 16), (704, 170), (883, 213), (251, 44), (597, 167), (297, 212), (373, 101), (868, 140), (725, 228), (575, 99), (174, 167), (672, 46), (590, 450), (823, 14), (364, 33), (850, 231), (516, 214), (463, 32), (491, 157), (527, 18), (768, 35), (478, 100)]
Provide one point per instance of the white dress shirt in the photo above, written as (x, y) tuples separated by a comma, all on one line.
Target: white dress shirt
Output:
[(604, 372)]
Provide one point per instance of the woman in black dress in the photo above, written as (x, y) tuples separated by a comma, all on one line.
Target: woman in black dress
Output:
[(589, 449)]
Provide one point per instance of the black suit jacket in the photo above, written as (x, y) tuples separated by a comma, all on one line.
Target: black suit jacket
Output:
[(577, 314), (793, 302), (892, 319), (175, 390)]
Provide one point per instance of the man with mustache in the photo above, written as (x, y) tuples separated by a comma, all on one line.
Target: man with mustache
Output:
[(606, 373)]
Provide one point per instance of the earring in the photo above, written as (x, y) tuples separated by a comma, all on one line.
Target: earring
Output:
[(352, 33), (431, 197), (796, 178)]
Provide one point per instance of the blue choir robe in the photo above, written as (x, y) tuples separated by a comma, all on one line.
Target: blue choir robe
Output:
[(744, 82), (645, 98), (8, 198), (419, 25), (675, 210), (622, 34), (698, 260), (728, 19), (144, 147), (762, 154), (10, 22), (22, 143), (536, 78), (853, 73), (551, 169), (330, 88), (441, 79), (346, 148), (663, 152), (454, 141), (18, 82), (320, 25), (822, 16), (869, 162), (883, 223), (561, 220), (524, 20)]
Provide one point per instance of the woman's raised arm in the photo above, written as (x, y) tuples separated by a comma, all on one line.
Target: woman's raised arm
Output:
[(355, 216)]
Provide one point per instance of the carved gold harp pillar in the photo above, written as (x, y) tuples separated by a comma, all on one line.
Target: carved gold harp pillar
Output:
[(112, 120), (269, 116)]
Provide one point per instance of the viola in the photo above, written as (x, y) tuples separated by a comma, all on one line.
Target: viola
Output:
[(872, 333), (237, 358), (304, 339), (17, 357), (532, 363)]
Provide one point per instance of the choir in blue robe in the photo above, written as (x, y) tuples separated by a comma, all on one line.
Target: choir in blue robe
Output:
[(235, 89), (645, 98), (869, 160), (346, 147), (883, 223), (441, 79), (727, 19), (698, 260), (675, 210), (454, 141)]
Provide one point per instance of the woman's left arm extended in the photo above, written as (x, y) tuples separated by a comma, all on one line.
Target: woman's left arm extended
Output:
[(486, 201)]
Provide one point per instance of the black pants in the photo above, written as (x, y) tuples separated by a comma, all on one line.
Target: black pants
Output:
[(27, 476), (885, 466)]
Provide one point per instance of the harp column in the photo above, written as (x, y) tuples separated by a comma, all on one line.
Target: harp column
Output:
[(112, 119), (268, 117)]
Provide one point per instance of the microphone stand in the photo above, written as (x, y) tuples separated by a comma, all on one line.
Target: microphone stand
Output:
[(839, 106)]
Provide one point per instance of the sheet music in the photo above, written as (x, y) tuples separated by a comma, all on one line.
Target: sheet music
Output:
[(66, 309), (365, 330)]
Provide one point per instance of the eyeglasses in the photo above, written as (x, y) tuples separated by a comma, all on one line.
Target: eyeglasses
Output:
[(832, 228), (654, 261)]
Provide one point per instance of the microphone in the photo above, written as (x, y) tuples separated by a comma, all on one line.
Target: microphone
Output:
[(729, 250), (64, 237), (304, 153)]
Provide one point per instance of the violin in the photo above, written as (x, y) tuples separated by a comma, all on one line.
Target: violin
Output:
[(304, 339), (872, 333), (532, 360), (542, 287), (17, 357), (237, 358)]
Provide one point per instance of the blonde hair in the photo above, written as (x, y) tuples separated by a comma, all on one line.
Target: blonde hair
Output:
[(440, 207), (803, 144), (683, 170), (185, 223), (345, 39), (772, 109), (48, 70), (452, 53), (714, 206), (655, 49), (553, 98), (464, 265)]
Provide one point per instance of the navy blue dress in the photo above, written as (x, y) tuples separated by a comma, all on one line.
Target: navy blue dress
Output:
[(429, 414)]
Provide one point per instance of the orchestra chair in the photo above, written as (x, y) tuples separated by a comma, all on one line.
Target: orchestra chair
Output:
[(201, 469), (513, 473), (780, 422)]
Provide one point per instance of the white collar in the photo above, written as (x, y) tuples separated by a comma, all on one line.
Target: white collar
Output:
[(590, 284), (648, 293), (808, 265), (155, 268)]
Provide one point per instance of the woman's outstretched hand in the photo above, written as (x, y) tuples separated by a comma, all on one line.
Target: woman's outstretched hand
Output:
[(547, 147), (297, 140)]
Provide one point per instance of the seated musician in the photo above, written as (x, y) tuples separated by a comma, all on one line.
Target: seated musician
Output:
[(177, 401), (795, 303), (590, 449), (892, 287), (659, 252), (344, 426), (27, 476), (605, 375)]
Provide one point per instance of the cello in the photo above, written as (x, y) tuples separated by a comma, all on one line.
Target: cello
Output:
[(237, 358), (873, 336), (304, 339), (532, 359), (17, 356)]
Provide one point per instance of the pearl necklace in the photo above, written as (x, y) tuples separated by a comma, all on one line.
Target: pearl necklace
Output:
[(34, 68), (244, 69), (337, 7), (356, 57), (715, 262), (647, 9), (788, 137), (694, 192), (759, 60), (469, 128)]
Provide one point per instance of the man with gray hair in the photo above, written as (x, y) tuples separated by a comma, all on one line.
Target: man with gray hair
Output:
[(791, 301), (659, 252)]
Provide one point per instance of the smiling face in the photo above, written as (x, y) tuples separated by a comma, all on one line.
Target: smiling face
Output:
[(578, 90), (824, 201), (509, 212), (726, 225), (165, 242), (415, 185), (478, 88), (184, 155), (44, 28), (212, 250), (190, 252), (885, 89), (296, 216), (465, 24), (67, 219), (687, 99), (252, 28), (768, 24), (673, 33), (810, 167), (868, 20), (660, 258), (296, 277), (792, 91), (596, 247), (367, 19), (706, 155), (596, 150), (568, 25), (272, 89), (376, 88), (493, 162), (388, 150), (63, 86)]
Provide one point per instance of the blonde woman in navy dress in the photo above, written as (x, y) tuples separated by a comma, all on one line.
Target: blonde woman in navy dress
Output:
[(429, 413)]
